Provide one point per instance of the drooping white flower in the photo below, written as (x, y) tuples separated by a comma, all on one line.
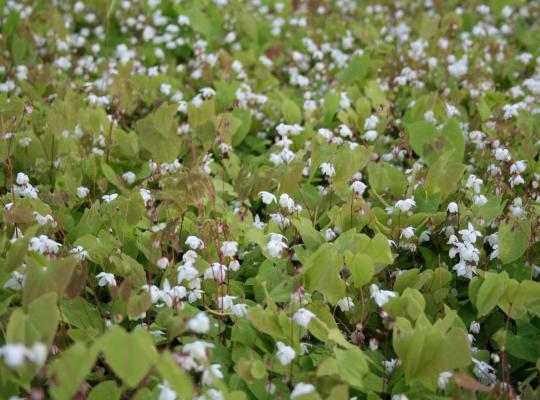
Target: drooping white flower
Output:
[(105, 279), (79, 253), (107, 198), (211, 373), (345, 304), (405, 205), (358, 187), (371, 122), (380, 297), (197, 350), (240, 310), (217, 271), (452, 208), (82, 192), (301, 389), (328, 170), (229, 248), (14, 354), (42, 244), (276, 246), (166, 392), (470, 234), (194, 242), (303, 316), (407, 232), (444, 378), (129, 177), (285, 354), (474, 327), (200, 323), (267, 197), (162, 263)]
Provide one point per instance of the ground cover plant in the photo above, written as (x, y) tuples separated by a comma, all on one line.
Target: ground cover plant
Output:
[(269, 199)]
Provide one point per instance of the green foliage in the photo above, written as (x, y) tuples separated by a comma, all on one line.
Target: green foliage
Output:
[(252, 200)]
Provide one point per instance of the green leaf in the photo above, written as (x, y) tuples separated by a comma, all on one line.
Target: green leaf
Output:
[(311, 237), (175, 376), (33, 326), (362, 269), (355, 71), (69, 371), (157, 134), (321, 273), (514, 239), (291, 112), (105, 390), (351, 365), (130, 355), (489, 294)]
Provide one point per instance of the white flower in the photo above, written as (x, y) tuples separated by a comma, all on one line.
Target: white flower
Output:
[(217, 271), (186, 272), (275, 246), (518, 167), (43, 220), (42, 244), (270, 387), (162, 263), (370, 135), (109, 197), (79, 253), (345, 304), (229, 248), (381, 297), (194, 242), (234, 265), (287, 202), (480, 200), (146, 196), (225, 303), (285, 354), (106, 279), (358, 187), (407, 232), (301, 389), (329, 235), (129, 177), (267, 197), (328, 170), (37, 353), (405, 205), (371, 122), (452, 208), (211, 373), (474, 183), (302, 317), (14, 354), (165, 392), (197, 349), (465, 269), (444, 377), (484, 372), (22, 179), (200, 323), (399, 397), (502, 154), (474, 327), (470, 234), (240, 310)]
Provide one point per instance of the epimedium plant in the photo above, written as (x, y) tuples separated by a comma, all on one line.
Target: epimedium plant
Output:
[(270, 200)]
